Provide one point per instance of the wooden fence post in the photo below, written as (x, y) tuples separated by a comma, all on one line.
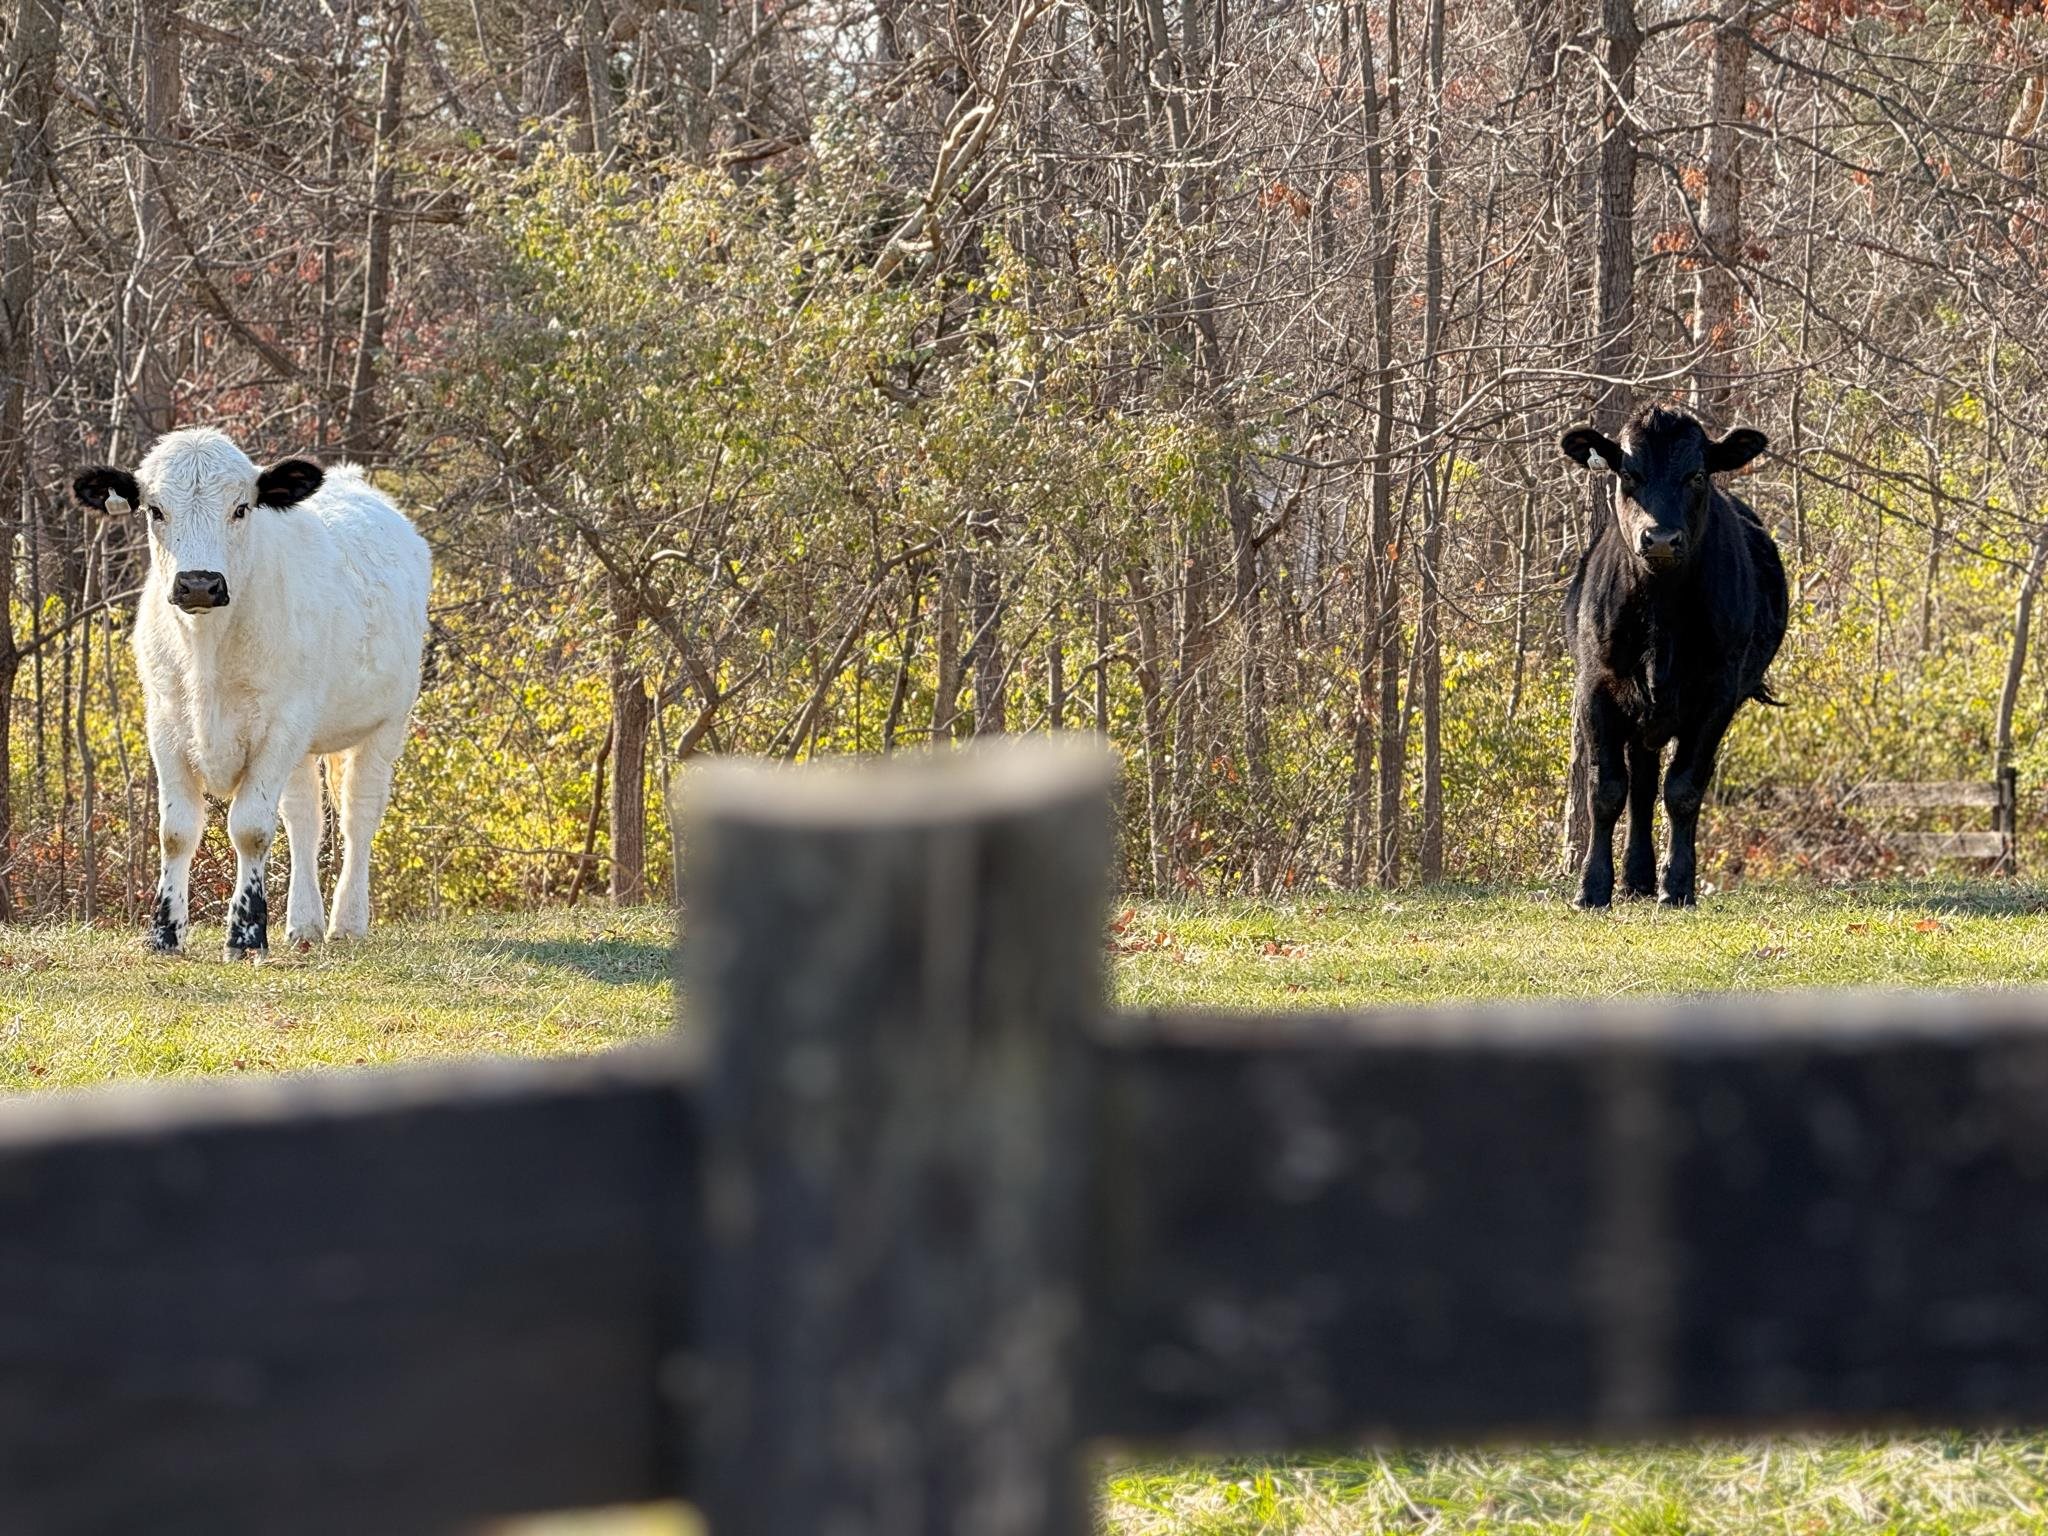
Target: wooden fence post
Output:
[(896, 969), (2008, 821)]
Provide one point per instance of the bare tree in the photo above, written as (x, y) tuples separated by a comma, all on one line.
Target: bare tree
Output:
[(26, 91)]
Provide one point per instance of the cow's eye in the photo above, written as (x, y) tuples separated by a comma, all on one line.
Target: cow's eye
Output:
[(1696, 479), (156, 513), (1630, 482), (241, 511)]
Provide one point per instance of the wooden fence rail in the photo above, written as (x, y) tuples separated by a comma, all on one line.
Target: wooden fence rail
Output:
[(901, 1221), (2000, 796)]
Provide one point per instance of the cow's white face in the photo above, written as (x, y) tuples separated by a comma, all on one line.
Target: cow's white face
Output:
[(202, 501), (196, 540)]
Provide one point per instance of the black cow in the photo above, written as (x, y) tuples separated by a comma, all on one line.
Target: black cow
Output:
[(1677, 608)]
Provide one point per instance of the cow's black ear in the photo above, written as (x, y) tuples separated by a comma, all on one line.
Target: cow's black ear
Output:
[(93, 486), (1582, 445), (1735, 450), (288, 482)]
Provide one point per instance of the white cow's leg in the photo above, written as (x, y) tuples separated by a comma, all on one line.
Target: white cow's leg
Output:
[(180, 818), (364, 791), (305, 917), (252, 827)]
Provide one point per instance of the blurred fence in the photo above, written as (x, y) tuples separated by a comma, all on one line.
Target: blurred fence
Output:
[(902, 1221), (1861, 823)]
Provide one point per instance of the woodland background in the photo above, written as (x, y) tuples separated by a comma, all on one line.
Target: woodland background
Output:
[(801, 377)]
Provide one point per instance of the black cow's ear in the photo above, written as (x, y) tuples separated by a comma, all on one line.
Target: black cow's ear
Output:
[(1735, 450), (93, 486), (1594, 449), (288, 482)]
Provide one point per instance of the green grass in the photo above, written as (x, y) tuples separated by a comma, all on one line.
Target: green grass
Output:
[(1362, 951), (80, 1006), (1355, 952), (1928, 1487)]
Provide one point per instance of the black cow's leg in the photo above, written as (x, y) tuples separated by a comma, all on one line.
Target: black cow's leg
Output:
[(1607, 764), (1639, 861), (1685, 788)]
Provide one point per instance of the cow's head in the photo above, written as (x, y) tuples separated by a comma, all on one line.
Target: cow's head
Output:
[(1661, 486), (203, 502)]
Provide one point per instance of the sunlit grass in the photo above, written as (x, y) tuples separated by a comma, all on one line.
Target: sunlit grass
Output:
[(82, 1006), (1943, 1486), (1363, 951)]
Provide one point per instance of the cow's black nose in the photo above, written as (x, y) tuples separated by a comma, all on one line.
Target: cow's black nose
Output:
[(197, 591), (1661, 546)]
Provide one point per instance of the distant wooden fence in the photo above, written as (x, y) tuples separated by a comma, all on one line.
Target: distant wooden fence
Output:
[(2000, 796), (901, 1221)]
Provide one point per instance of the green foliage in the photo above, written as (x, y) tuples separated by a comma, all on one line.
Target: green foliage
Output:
[(695, 437)]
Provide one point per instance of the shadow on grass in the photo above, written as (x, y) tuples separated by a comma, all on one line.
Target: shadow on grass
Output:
[(1961, 897), (617, 962), (1984, 896)]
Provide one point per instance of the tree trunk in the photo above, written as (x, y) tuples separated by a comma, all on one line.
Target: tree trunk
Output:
[(1435, 482), (1055, 678), (342, 42), (1717, 295), (1615, 249), (593, 36), (2017, 161), (361, 427), (1524, 537), (699, 112), (2016, 658), (985, 587), (548, 67), (1614, 285), (88, 777), (152, 285), (30, 69), (900, 693), (598, 806), (630, 712), (1937, 509), (1383, 556), (1150, 668), (1102, 649), (1262, 825), (952, 591)]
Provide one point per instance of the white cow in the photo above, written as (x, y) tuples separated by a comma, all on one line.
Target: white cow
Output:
[(282, 622)]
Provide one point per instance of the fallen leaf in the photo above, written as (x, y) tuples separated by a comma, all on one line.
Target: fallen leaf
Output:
[(1857, 928), (1123, 920), (1927, 925), (1141, 945)]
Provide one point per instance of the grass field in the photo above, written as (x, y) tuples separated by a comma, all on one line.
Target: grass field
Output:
[(79, 1007), (82, 1006)]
